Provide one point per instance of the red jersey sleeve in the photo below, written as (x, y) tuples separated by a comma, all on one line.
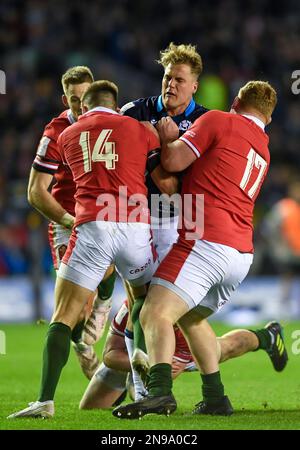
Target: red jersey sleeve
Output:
[(48, 157), (60, 148), (205, 132)]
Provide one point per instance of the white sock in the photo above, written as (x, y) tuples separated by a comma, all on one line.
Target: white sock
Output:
[(139, 388), (130, 346)]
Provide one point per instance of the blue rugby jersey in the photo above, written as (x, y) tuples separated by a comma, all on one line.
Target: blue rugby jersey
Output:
[(151, 109)]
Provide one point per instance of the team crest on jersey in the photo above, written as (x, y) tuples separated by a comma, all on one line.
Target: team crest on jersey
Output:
[(184, 125)]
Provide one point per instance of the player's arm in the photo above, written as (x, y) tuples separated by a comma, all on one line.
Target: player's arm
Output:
[(166, 182), (205, 132), (40, 198), (115, 354), (175, 154)]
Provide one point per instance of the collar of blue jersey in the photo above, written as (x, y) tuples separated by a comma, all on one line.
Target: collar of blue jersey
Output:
[(190, 108)]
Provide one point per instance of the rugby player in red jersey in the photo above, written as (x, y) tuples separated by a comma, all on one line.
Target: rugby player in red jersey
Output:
[(58, 206), (214, 251), (107, 154)]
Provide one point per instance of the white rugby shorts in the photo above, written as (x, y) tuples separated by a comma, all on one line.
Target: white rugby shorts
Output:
[(58, 239), (115, 379), (165, 234), (203, 273), (94, 246)]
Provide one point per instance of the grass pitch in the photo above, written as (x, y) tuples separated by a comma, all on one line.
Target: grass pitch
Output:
[(262, 398)]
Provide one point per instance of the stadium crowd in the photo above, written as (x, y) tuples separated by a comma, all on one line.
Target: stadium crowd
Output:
[(121, 43)]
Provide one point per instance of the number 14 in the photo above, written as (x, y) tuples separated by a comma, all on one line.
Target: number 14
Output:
[(103, 151), (254, 159)]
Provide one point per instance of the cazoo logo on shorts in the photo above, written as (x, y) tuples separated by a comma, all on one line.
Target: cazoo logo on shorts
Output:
[(140, 269)]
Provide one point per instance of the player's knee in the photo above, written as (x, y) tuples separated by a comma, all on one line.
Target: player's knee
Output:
[(106, 359), (149, 314)]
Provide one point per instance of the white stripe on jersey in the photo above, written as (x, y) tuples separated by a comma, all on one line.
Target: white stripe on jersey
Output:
[(47, 165), (192, 147), (126, 107)]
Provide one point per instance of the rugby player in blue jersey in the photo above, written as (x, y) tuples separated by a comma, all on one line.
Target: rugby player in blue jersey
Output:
[(182, 68)]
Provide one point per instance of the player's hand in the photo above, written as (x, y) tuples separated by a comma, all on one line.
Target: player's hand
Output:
[(67, 221), (167, 129)]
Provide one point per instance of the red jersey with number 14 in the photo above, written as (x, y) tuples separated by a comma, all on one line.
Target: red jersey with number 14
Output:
[(107, 155), (233, 160)]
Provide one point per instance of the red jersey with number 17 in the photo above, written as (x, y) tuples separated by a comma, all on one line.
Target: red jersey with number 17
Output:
[(233, 159), (107, 155)]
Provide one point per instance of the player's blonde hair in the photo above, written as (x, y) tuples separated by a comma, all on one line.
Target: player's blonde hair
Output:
[(182, 54), (101, 93), (76, 75), (259, 95)]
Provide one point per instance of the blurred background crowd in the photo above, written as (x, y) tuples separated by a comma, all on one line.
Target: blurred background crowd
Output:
[(120, 40)]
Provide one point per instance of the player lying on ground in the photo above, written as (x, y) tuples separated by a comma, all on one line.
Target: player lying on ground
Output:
[(108, 386)]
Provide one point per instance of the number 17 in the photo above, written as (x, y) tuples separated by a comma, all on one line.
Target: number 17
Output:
[(254, 159)]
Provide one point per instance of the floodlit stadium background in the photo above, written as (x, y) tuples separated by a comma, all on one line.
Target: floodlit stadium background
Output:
[(120, 41)]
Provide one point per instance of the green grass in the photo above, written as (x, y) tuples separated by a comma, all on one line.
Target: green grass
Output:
[(262, 398)]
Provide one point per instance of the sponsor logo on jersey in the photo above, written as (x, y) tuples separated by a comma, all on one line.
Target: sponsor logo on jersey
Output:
[(142, 268), (221, 303)]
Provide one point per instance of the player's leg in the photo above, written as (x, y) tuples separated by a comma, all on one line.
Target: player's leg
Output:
[(105, 389), (203, 345), (135, 341), (70, 300), (58, 239), (234, 271), (95, 325), (189, 271), (83, 267), (129, 326), (236, 343), (161, 310), (137, 262)]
